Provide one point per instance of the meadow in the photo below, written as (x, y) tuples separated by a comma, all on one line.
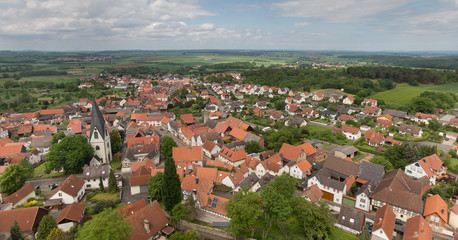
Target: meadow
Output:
[(402, 94)]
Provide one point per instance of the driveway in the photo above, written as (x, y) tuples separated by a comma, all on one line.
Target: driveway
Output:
[(440, 146), (208, 217), (126, 197)]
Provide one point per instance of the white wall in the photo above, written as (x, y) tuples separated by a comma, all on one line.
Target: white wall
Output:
[(363, 205), (94, 183), (24, 200), (65, 226)]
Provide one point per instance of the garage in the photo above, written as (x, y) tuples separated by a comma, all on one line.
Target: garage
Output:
[(328, 196)]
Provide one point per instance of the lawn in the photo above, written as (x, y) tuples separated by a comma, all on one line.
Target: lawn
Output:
[(402, 94), (116, 163), (39, 172), (451, 87), (339, 234), (106, 196)]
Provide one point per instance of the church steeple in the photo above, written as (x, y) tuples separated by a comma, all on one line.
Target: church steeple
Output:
[(97, 121)]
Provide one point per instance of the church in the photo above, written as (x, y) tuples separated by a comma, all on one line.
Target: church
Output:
[(99, 137)]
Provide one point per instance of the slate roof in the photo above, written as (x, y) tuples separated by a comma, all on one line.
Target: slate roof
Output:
[(342, 166), (371, 171), (97, 121), (351, 218), (95, 172)]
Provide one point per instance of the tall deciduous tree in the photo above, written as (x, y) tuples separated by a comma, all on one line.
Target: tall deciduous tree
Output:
[(171, 194), (13, 178), (47, 224), (167, 145), (71, 153), (112, 185), (245, 210), (189, 235), (315, 221), (253, 147), (276, 208), (106, 226), (15, 231), (115, 141)]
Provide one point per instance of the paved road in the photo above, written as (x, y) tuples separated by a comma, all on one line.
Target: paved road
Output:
[(45, 182), (221, 109), (177, 140)]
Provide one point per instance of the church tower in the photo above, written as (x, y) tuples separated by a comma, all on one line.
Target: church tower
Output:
[(99, 138)]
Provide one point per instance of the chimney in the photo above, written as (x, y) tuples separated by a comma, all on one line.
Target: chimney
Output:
[(146, 225)]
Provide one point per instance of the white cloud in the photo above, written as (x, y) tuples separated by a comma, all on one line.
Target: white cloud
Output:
[(301, 24), (337, 11)]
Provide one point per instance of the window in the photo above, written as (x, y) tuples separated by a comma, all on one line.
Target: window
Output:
[(362, 200), (60, 194), (97, 148), (96, 135), (352, 220)]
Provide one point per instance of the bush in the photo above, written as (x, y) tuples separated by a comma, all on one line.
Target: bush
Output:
[(31, 199), (31, 203), (440, 153), (90, 196)]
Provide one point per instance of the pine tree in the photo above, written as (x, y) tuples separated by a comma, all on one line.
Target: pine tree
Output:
[(101, 187), (112, 186), (172, 186), (15, 232), (47, 224)]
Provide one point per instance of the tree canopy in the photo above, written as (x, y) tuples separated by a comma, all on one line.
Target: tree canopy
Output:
[(70, 154), (13, 178), (171, 194), (253, 147), (189, 235), (115, 142), (106, 226), (15, 231), (155, 186), (47, 224), (245, 210), (167, 145)]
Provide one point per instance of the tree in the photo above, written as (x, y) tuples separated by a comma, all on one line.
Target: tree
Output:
[(47, 224), (56, 234), (101, 187), (276, 209), (253, 147), (15, 232), (315, 221), (71, 153), (112, 185), (106, 226), (13, 178), (178, 213), (155, 186), (434, 125), (58, 136), (28, 167), (189, 235), (190, 209), (115, 142), (167, 145), (245, 210), (365, 234), (171, 193), (384, 162)]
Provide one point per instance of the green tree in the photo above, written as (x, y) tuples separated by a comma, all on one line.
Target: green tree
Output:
[(167, 146), (115, 142), (253, 147), (434, 125), (71, 153), (58, 136), (101, 187), (107, 225), (15, 232), (178, 213), (171, 194), (13, 178), (190, 209), (47, 224), (365, 234), (315, 221), (155, 186), (112, 185), (57, 234), (276, 209), (28, 167), (384, 162), (245, 210), (189, 235)]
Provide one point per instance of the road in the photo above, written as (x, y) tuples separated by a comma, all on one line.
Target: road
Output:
[(220, 107), (164, 132), (45, 182)]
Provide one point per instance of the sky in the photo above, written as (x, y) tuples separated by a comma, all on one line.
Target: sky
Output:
[(350, 25)]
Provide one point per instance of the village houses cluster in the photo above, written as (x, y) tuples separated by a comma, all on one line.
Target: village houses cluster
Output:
[(211, 155)]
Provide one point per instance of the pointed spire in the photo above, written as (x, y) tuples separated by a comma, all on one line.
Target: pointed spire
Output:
[(97, 120)]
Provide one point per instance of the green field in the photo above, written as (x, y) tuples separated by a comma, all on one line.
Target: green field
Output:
[(452, 87), (402, 94)]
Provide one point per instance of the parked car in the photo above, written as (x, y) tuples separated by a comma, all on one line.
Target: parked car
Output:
[(52, 186)]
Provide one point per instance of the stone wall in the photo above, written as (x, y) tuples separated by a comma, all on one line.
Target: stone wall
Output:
[(183, 225)]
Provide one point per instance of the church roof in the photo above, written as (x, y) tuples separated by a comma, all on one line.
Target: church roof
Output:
[(97, 121)]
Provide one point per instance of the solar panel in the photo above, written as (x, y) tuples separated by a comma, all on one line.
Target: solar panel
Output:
[(215, 202)]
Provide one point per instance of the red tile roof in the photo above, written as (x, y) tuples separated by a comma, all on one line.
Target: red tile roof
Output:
[(384, 219), (72, 212), (155, 219), (350, 129), (233, 156), (132, 208), (313, 192), (435, 204), (72, 185), (187, 118), (27, 218), (417, 229), (290, 152), (187, 154), (19, 194)]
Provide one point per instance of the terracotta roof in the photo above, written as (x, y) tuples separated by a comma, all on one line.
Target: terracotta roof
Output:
[(72, 185), (454, 209), (27, 218), (313, 192), (51, 111), (233, 122), (25, 128), (435, 204), (308, 148), (140, 177), (132, 208), (4, 141), (290, 152), (221, 164), (384, 219), (207, 173), (11, 149), (189, 183), (72, 212), (155, 219), (147, 163), (374, 137), (222, 127), (304, 165), (417, 229), (345, 117), (187, 118), (238, 133), (350, 129), (19, 194), (187, 154), (233, 156)]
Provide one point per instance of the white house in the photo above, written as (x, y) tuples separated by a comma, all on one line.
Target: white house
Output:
[(92, 174), (348, 100), (300, 169), (351, 133), (453, 217), (72, 190), (431, 166), (20, 196), (70, 216), (363, 202)]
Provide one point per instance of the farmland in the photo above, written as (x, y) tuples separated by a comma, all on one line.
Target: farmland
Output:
[(402, 94)]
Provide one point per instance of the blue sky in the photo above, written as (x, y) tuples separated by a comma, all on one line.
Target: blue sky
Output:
[(368, 25)]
